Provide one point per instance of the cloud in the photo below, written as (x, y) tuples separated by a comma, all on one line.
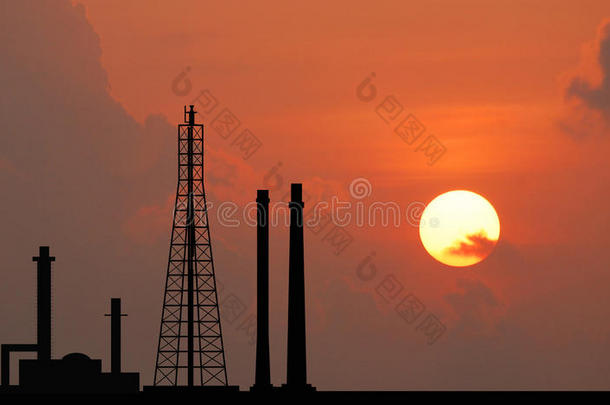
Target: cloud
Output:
[(477, 245), (596, 97), (150, 224), (588, 92), (477, 307)]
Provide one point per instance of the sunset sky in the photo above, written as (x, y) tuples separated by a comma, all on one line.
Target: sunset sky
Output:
[(517, 92)]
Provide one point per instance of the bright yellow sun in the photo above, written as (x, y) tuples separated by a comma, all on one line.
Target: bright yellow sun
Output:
[(459, 228)]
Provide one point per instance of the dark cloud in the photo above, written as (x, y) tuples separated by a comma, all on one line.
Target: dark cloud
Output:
[(475, 305), (596, 98), (477, 245), (588, 104)]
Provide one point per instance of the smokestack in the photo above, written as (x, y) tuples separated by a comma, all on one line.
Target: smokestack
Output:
[(115, 335), (44, 302), (297, 364), (263, 374)]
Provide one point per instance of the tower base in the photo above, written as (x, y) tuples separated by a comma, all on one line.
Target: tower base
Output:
[(168, 389)]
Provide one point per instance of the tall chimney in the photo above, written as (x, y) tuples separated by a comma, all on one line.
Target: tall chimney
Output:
[(262, 378), (44, 302), (115, 335), (296, 377)]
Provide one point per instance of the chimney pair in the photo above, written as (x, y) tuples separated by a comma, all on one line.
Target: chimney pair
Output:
[(296, 376)]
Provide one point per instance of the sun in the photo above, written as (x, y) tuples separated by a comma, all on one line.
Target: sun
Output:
[(459, 228)]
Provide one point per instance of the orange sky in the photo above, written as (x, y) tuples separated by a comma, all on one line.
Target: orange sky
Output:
[(489, 79)]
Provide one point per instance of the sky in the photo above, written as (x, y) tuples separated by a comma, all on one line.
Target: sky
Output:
[(516, 92)]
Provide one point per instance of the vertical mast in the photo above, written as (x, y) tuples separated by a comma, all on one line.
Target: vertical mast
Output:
[(190, 316)]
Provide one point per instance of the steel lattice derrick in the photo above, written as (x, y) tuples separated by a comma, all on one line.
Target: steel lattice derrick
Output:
[(190, 337)]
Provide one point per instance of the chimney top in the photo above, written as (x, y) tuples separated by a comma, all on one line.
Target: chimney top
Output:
[(262, 196), (296, 192)]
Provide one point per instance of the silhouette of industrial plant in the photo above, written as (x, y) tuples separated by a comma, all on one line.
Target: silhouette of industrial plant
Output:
[(190, 314)]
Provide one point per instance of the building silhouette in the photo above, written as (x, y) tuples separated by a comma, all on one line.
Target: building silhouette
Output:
[(74, 372)]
